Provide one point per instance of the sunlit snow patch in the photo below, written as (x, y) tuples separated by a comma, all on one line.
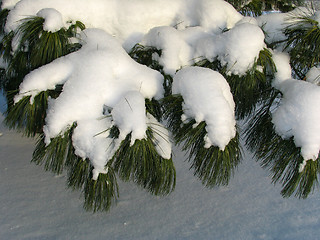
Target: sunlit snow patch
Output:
[(207, 97), (298, 116)]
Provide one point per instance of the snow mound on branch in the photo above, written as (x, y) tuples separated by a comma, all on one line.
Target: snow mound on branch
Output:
[(129, 116), (175, 51), (237, 48), (52, 19), (272, 24), (8, 4), (207, 97), (298, 116), (99, 76), (129, 20), (282, 63)]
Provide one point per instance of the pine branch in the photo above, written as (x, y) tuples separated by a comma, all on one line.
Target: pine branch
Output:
[(280, 156), (211, 165), (100, 194), (29, 118), (247, 90), (142, 164), (303, 42), (144, 55)]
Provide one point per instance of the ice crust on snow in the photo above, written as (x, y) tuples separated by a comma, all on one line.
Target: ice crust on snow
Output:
[(207, 97)]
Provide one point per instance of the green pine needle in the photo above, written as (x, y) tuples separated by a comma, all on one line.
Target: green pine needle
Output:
[(57, 154), (100, 194), (303, 42), (144, 55), (247, 90), (211, 165), (280, 156), (142, 164), (79, 170), (30, 118)]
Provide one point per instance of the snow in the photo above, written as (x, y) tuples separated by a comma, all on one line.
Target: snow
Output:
[(298, 116), (298, 113), (8, 4), (36, 205), (272, 24), (129, 20), (118, 80), (237, 48), (313, 75), (161, 137), (207, 97), (52, 19), (175, 51), (129, 115), (282, 63)]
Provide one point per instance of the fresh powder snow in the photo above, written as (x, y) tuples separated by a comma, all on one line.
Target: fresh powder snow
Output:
[(52, 19), (207, 97)]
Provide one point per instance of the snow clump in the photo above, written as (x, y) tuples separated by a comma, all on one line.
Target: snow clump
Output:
[(207, 97), (298, 116), (52, 19), (101, 74), (237, 48)]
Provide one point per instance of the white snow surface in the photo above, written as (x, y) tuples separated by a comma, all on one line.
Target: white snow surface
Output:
[(283, 68), (129, 115), (207, 97), (313, 75), (298, 116), (101, 74), (129, 20), (35, 204), (274, 22), (52, 19), (175, 51), (9, 4), (237, 48)]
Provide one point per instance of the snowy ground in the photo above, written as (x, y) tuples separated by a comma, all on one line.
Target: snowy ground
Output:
[(35, 204)]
